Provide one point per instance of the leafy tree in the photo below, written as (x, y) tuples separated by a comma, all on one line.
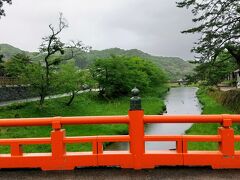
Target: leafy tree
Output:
[(17, 65), (81, 61), (87, 81), (218, 21), (41, 74), (53, 49), (34, 76), (215, 72), (2, 69), (117, 75), (68, 80), (50, 46), (2, 12), (175, 68)]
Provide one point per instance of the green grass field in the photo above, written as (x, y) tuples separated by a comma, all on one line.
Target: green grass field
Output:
[(210, 106), (87, 104)]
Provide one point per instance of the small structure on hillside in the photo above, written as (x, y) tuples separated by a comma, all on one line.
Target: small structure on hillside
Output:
[(237, 77), (182, 82), (234, 77)]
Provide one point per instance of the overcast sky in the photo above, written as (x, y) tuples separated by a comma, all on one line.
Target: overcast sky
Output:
[(152, 26)]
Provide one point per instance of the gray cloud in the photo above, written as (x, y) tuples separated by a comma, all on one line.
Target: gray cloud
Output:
[(150, 25)]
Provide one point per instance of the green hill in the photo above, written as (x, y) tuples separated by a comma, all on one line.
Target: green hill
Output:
[(174, 67), (8, 51)]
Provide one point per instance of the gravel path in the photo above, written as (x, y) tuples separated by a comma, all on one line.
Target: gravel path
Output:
[(179, 173), (6, 103)]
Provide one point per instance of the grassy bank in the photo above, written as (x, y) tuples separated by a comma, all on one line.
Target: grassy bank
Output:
[(210, 106), (84, 105), (229, 98)]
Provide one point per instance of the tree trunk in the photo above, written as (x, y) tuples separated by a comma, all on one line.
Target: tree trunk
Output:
[(42, 99), (71, 99), (47, 71), (42, 96), (237, 59), (235, 54), (238, 62)]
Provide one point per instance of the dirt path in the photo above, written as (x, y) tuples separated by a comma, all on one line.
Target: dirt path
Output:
[(115, 173), (6, 103)]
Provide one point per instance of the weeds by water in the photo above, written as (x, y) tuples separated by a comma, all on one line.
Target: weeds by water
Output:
[(210, 106)]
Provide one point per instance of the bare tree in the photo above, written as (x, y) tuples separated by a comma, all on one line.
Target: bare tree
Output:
[(2, 12), (50, 46), (54, 49)]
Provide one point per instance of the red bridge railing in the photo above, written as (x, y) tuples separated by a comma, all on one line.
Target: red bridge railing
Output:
[(136, 157)]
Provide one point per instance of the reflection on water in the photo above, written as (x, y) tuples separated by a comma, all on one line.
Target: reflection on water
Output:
[(181, 100)]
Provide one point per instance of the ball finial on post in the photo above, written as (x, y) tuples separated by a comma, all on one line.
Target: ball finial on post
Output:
[(135, 101)]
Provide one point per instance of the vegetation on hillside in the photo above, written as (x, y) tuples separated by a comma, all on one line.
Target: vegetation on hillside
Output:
[(16, 65), (175, 68), (9, 51)]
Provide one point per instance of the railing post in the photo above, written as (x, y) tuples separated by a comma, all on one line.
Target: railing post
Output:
[(136, 129), (179, 146), (16, 149), (226, 146), (57, 137)]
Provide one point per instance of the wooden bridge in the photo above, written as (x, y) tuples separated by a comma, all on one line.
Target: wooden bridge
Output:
[(136, 157)]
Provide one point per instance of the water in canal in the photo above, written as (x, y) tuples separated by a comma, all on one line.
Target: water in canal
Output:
[(180, 100)]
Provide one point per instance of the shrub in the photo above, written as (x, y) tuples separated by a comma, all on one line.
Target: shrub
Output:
[(117, 75)]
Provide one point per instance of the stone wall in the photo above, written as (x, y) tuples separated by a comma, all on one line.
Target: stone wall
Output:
[(8, 93)]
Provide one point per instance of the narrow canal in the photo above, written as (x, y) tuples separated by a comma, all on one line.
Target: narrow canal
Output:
[(181, 100)]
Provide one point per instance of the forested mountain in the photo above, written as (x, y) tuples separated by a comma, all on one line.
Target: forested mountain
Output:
[(175, 67), (8, 51)]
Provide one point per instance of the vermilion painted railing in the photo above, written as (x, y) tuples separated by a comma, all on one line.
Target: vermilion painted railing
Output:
[(136, 157)]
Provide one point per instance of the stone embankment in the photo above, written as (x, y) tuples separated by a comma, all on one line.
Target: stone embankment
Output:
[(230, 98), (9, 93)]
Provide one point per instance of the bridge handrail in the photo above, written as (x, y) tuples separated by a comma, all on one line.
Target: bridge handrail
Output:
[(190, 118), (47, 121), (25, 141), (136, 157)]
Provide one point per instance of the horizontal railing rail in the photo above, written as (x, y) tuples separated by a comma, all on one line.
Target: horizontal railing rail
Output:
[(190, 118), (22, 141), (118, 120), (64, 121)]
